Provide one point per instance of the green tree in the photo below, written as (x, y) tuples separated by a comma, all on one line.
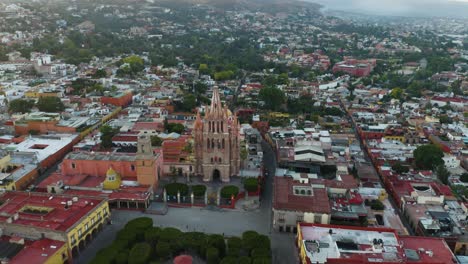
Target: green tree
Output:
[(100, 73), (442, 173), (50, 104), (399, 168), (163, 250), (396, 93), (212, 255), (427, 157), (273, 97), (251, 184), (377, 205), (156, 141), (107, 132), (139, 254), (464, 177), (175, 127), (20, 106)]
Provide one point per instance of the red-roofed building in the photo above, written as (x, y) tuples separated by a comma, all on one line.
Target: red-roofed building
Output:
[(295, 201), (17, 250), (358, 68), (69, 219)]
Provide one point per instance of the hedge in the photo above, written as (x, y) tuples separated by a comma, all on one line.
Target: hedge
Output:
[(152, 235), (244, 260), (140, 254), (139, 227), (169, 233), (139, 223), (229, 191), (262, 260), (173, 188), (229, 260), (121, 258), (212, 255), (249, 240), (198, 190), (163, 250), (127, 235), (195, 241), (251, 184), (217, 241), (234, 246), (260, 252)]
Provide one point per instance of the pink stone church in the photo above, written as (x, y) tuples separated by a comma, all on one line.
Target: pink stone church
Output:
[(217, 142)]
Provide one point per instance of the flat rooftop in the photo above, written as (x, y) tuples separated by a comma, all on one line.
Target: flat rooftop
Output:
[(42, 146), (101, 156), (44, 210), (371, 245)]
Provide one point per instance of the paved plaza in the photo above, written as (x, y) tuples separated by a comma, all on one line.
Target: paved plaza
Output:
[(210, 220)]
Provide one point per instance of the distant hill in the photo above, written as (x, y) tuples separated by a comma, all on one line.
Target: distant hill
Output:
[(273, 6)]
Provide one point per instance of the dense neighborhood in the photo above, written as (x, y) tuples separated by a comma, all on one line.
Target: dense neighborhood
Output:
[(230, 132)]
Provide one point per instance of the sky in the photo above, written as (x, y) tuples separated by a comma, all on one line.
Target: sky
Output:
[(455, 8)]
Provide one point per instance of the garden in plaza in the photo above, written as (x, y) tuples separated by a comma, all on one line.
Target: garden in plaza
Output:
[(140, 242)]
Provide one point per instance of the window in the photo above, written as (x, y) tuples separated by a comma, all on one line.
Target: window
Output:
[(132, 167), (208, 143), (86, 227), (223, 143), (79, 233), (73, 239), (73, 165), (281, 217), (317, 218), (296, 191), (300, 218), (309, 192)]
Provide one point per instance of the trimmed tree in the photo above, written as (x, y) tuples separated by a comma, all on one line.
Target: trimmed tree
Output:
[(140, 253), (212, 255), (163, 250), (251, 184), (229, 191)]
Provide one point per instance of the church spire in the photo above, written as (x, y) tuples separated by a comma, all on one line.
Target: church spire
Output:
[(216, 109), (198, 120)]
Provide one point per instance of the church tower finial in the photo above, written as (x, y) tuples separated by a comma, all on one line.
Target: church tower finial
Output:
[(216, 108)]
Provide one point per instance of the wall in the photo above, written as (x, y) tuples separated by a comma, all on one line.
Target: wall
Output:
[(43, 127), (100, 214), (57, 258), (98, 168)]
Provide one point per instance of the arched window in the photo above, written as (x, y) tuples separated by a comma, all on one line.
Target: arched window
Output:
[(208, 143), (223, 143), (222, 127), (219, 160), (209, 126), (219, 144), (217, 126), (212, 161), (212, 143)]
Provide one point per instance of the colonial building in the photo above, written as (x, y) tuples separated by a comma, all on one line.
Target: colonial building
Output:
[(217, 142)]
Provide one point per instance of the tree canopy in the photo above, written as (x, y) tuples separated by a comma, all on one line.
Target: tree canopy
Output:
[(428, 157), (50, 104), (20, 106), (273, 98)]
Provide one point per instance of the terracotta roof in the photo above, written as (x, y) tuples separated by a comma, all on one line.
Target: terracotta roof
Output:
[(285, 199)]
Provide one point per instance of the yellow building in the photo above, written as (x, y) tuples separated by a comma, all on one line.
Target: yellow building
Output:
[(70, 219), (112, 181), (396, 138)]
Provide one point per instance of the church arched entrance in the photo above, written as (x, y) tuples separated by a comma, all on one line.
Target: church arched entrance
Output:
[(216, 175)]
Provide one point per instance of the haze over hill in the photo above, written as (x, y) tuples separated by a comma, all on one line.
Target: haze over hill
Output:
[(453, 8)]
